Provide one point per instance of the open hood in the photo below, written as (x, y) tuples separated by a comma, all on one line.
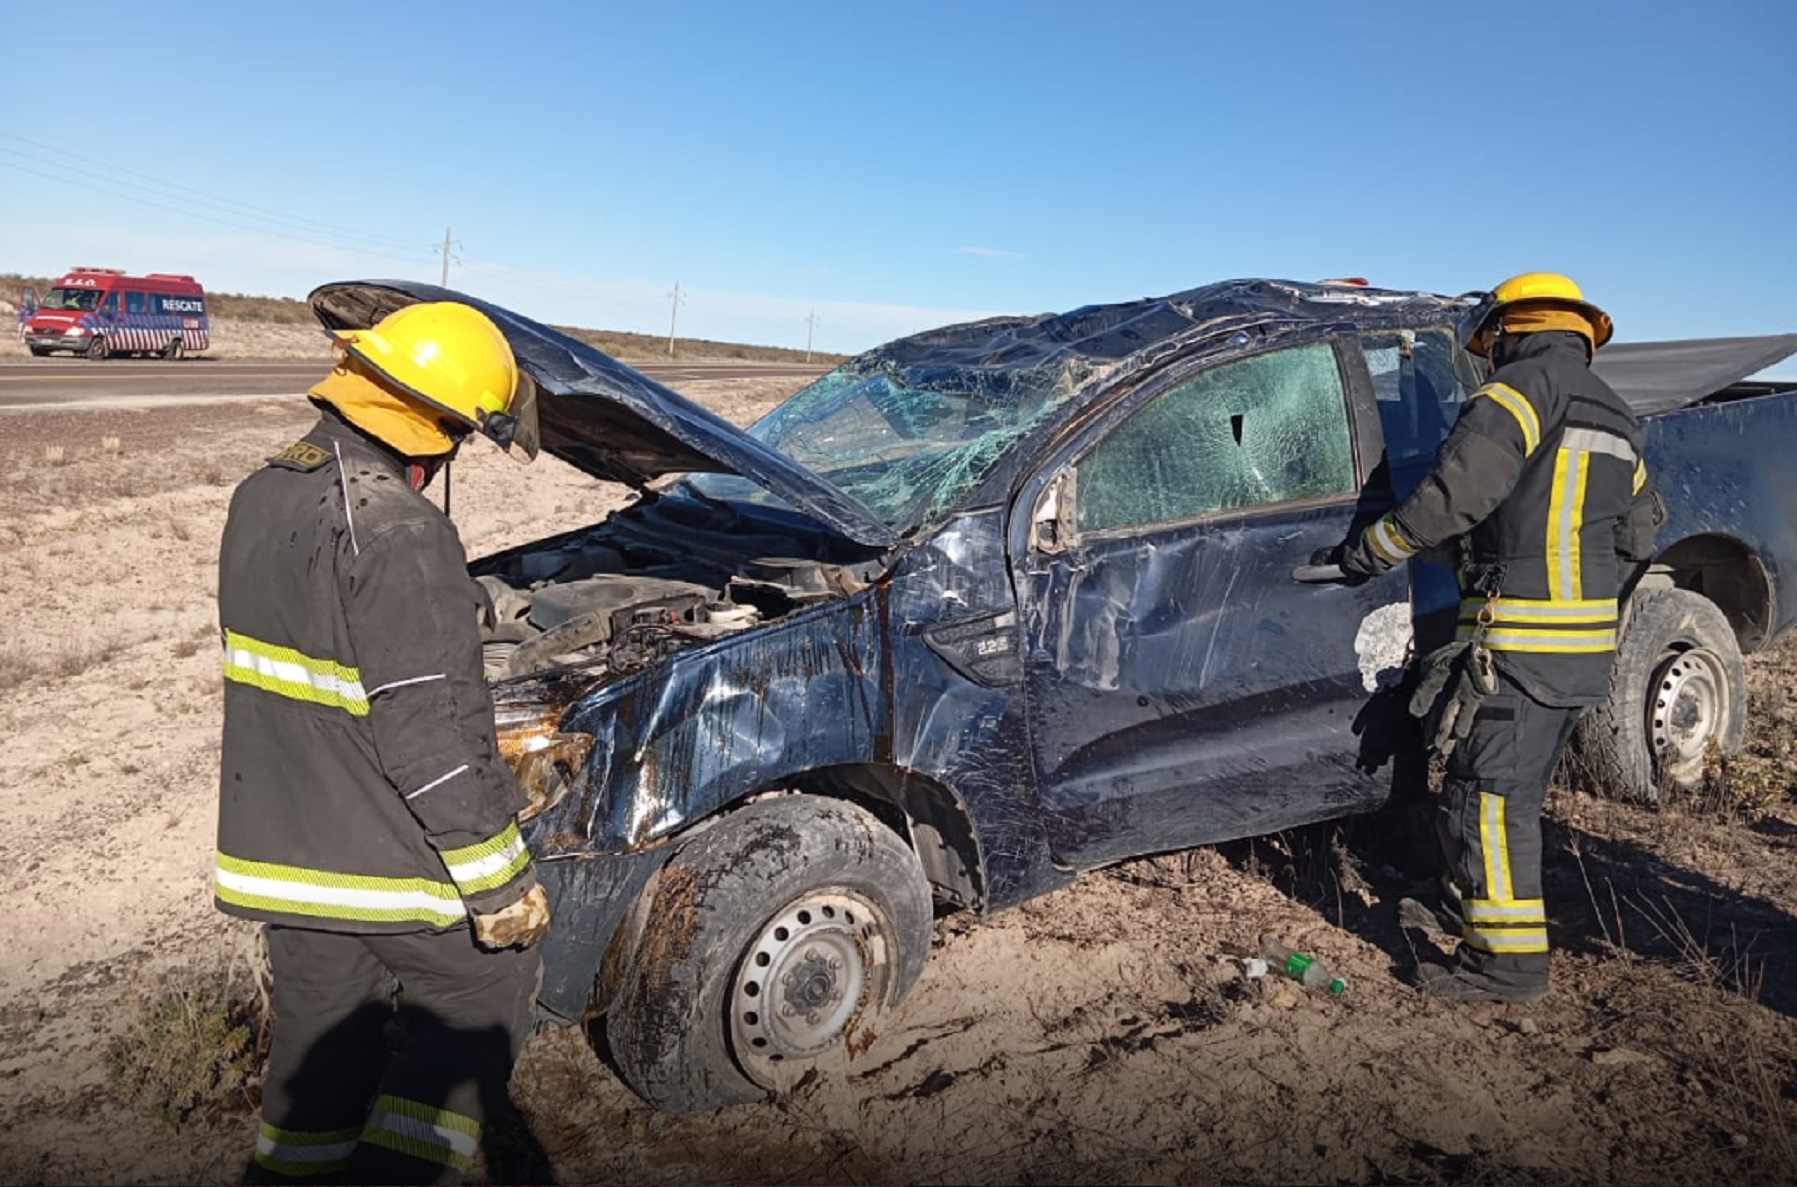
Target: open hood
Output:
[(1655, 377), (610, 420)]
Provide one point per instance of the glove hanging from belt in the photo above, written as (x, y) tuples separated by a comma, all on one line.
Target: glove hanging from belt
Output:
[(1455, 679)]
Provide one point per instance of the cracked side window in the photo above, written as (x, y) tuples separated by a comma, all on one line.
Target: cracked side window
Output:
[(1420, 378), (1262, 430)]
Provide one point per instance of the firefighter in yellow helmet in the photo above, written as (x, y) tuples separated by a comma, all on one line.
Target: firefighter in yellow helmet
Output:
[(1542, 482), (365, 815)]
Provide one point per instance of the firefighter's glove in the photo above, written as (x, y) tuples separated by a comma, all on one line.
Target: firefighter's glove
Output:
[(516, 926), (1338, 556), (1455, 679)]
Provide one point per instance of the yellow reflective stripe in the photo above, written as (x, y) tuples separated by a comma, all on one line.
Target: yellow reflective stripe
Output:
[(1520, 910), (326, 894), (492, 862), (1565, 516), (1519, 407), (305, 1154), (1519, 939), (1545, 612), (1494, 845), (434, 1135), (289, 673), (1543, 642), (1387, 539), (1575, 541), (1640, 476)]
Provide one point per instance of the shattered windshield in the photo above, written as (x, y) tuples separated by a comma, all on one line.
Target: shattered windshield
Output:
[(906, 441)]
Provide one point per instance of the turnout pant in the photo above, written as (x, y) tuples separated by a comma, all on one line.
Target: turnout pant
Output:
[(1489, 829), (388, 1053)]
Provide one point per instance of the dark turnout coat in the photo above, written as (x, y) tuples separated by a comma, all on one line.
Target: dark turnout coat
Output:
[(1543, 476), (361, 788)]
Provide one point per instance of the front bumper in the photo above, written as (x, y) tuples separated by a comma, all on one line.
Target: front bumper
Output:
[(52, 342)]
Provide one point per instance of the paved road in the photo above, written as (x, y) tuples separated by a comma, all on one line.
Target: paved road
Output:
[(60, 382)]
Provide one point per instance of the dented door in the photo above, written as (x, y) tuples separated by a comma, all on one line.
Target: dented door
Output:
[(1182, 687)]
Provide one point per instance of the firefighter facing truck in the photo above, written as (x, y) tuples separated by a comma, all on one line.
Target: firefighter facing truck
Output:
[(1543, 480), (365, 815)]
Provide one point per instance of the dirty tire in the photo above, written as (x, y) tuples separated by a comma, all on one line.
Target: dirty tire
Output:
[(97, 348), (40, 351), (1678, 686), (173, 351), (807, 904)]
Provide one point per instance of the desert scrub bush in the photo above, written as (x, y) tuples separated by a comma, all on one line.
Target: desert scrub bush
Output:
[(188, 1050), (21, 663)]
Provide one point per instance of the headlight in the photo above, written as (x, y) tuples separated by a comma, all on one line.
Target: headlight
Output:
[(75, 331), (545, 759)]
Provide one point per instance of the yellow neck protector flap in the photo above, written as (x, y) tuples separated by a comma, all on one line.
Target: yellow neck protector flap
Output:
[(409, 426), (1537, 320)]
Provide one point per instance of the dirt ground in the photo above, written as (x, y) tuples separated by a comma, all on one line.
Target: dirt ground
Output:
[(1103, 1033)]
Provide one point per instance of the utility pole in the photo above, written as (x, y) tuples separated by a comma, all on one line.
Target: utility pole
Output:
[(448, 250), (674, 318), (810, 325)]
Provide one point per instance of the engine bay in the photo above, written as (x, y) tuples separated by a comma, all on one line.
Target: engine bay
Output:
[(612, 599)]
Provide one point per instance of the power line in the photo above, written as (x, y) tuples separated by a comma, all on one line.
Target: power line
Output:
[(176, 188), (215, 218)]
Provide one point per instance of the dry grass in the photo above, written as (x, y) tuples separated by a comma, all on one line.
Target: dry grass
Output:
[(23, 662), (191, 1049)]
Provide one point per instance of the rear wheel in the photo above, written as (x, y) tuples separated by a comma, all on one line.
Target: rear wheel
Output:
[(97, 348), (774, 937), (1678, 693), (174, 349)]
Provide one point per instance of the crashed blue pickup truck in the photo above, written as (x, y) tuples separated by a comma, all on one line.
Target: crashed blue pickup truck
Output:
[(1000, 602)]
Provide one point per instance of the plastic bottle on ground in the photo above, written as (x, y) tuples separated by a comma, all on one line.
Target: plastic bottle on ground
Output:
[(1301, 967)]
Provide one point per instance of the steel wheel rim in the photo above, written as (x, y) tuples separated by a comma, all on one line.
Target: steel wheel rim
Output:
[(1686, 710), (805, 980)]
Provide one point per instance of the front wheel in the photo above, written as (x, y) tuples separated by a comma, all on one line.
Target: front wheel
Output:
[(97, 348), (1678, 692), (774, 937)]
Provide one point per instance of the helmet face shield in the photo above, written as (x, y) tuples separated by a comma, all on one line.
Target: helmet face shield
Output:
[(515, 430), (1474, 323)]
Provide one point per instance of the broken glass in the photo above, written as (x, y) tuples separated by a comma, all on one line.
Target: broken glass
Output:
[(907, 441), (1262, 430)]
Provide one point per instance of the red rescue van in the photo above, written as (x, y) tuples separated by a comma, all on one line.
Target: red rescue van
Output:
[(98, 312)]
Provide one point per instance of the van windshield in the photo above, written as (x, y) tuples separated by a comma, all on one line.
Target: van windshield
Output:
[(61, 298)]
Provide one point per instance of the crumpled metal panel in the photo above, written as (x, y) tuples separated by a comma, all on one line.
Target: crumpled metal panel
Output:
[(679, 741), (963, 735), (845, 683)]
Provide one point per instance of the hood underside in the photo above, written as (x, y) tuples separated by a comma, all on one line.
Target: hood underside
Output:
[(610, 420)]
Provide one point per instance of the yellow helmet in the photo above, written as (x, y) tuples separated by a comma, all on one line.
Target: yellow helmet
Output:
[(1529, 303), (426, 375)]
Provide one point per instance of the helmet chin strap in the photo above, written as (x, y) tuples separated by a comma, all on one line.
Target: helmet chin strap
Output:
[(419, 475)]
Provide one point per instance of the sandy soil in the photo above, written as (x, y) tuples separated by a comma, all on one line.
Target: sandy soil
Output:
[(1103, 1033)]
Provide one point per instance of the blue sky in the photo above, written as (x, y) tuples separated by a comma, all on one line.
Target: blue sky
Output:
[(896, 165)]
